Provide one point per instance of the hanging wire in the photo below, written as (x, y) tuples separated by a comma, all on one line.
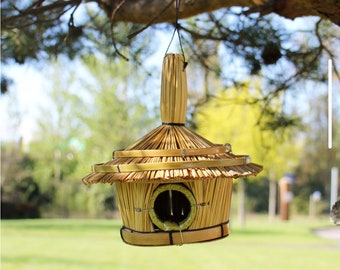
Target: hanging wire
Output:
[(71, 22), (151, 22), (112, 30), (176, 30)]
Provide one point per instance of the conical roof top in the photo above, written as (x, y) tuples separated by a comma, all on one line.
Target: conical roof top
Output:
[(172, 151)]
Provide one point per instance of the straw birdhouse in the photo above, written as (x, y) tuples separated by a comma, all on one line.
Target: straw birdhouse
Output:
[(173, 186)]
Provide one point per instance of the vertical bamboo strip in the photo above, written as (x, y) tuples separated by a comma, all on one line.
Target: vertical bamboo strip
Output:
[(173, 89)]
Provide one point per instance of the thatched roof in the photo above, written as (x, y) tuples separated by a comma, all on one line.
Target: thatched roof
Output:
[(145, 165), (172, 151)]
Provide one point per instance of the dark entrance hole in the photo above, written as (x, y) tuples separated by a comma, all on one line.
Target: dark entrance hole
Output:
[(172, 205)]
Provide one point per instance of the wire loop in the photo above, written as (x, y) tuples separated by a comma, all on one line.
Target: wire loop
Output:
[(176, 30)]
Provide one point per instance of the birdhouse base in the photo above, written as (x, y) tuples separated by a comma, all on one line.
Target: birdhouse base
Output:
[(179, 238)]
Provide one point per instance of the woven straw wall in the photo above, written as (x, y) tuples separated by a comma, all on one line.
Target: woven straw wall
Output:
[(212, 197)]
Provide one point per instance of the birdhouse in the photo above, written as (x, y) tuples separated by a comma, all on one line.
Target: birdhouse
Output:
[(173, 186)]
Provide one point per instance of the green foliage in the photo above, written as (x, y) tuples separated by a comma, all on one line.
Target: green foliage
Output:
[(42, 33), (62, 28), (229, 118), (236, 46), (86, 118), (120, 117), (231, 44), (21, 195), (257, 193), (314, 170)]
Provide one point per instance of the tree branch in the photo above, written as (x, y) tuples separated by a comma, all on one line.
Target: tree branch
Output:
[(140, 11), (36, 9)]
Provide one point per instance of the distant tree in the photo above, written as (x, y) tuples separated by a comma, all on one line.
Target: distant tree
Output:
[(116, 113), (53, 147), (233, 117), (230, 117), (88, 116), (314, 170), (115, 116), (21, 196)]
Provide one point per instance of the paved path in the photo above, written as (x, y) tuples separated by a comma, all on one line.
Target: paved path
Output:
[(332, 233)]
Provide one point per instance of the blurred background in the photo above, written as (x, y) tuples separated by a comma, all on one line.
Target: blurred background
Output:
[(69, 98)]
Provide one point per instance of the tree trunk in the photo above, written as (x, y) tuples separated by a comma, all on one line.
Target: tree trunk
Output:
[(272, 200), (241, 209)]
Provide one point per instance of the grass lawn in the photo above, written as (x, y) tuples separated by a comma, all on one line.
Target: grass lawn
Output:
[(95, 244)]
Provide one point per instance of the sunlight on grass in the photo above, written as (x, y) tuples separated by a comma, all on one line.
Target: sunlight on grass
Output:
[(95, 244)]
